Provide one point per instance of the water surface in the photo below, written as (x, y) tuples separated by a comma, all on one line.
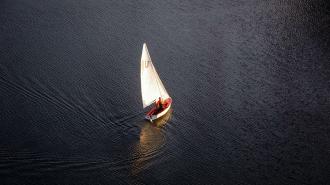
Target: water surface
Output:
[(250, 82)]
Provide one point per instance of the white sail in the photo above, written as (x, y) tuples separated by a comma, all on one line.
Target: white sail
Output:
[(151, 86)]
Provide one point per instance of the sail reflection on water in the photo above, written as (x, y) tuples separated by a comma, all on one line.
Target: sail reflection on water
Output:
[(150, 146)]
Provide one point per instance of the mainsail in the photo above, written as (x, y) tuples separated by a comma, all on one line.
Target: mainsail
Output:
[(151, 86)]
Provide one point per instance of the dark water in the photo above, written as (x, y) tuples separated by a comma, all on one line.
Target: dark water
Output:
[(250, 81)]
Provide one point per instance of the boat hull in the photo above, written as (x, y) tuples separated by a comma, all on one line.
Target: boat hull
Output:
[(151, 116)]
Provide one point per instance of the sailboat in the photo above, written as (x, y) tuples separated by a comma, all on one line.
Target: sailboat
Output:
[(152, 88)]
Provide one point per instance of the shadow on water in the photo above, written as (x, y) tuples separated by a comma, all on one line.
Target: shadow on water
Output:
[(152, 140)]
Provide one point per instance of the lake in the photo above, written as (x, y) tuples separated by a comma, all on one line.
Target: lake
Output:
[(250, 83)]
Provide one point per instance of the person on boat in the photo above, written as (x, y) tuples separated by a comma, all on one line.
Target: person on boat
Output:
[(159, 104)]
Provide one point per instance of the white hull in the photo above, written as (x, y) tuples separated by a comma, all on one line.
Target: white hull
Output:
[(154, 117)]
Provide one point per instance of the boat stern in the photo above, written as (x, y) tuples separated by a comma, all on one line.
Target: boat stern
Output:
[(150, 118)]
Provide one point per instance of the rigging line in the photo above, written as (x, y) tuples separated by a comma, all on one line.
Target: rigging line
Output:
[(152, 65), (155, 72), (156, 78)]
